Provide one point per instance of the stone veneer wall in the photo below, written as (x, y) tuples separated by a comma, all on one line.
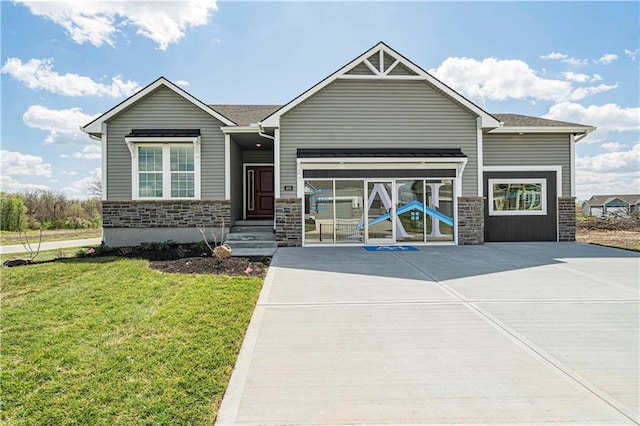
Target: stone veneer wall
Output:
[(470, 220), (566, 219), (289, 222), (166, 213)]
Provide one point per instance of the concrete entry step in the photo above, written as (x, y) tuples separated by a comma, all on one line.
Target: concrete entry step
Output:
[(255, 222), (250, 244), (244, 252), (251, 236), (251, 229)]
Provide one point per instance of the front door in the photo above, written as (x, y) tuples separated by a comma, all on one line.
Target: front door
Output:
[(259, 190), (380, 214)]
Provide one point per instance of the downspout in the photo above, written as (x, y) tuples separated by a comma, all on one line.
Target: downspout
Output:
[(264, 135)]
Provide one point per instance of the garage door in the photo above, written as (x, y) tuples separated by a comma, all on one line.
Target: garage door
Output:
[(521, 206)]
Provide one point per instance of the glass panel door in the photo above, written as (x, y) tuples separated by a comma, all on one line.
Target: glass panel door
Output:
[(439, 210), (380, 217), (410, 211)]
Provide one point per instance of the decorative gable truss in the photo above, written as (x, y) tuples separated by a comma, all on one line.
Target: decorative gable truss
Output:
[(383, 63)]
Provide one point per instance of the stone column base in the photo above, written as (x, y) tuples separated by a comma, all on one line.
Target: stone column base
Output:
[(470, 220), (566, 218), (289, 222)]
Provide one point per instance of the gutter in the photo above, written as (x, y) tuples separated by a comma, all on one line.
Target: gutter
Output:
[(264, 135)]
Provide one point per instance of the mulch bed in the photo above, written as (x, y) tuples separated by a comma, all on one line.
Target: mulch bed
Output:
[(177, 259), (244, 266)]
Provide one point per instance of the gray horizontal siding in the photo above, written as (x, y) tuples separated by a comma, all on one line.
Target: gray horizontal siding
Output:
[(262, 156), (377, 114), (361, 69), (530, 150), (164, 109)]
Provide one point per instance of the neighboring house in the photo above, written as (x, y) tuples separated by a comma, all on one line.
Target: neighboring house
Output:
[(379, 152), (603, 205)]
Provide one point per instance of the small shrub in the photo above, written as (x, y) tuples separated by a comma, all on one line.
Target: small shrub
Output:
[(156, 245)]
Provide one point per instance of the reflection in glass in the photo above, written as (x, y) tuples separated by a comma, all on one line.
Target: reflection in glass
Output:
[(439, 224), (318, 217), (380, 211), (410, 210), (349, 205)]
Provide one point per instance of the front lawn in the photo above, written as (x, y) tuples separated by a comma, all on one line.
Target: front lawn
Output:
[(110, 341)]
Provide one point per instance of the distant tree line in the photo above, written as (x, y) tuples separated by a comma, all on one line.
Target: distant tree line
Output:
[(47, 210)]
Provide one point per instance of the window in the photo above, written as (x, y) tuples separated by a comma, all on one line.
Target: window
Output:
[(509, 197), (165, 171)]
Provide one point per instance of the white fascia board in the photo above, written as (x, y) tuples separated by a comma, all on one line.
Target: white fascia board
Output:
[(239, 129), (558, 129), (488, 121), (95, 125)]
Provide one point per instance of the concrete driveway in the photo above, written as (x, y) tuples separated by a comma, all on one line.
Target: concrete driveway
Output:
[(500, 333)]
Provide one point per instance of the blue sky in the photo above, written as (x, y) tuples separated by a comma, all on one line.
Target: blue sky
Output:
[(66, 62)]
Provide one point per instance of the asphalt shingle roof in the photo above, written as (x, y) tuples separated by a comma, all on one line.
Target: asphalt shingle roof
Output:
[(599, 200), (244, 115), (517, 120)]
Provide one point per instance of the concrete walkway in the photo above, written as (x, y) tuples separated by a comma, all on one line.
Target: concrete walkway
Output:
[(19, 248), (501, 333)]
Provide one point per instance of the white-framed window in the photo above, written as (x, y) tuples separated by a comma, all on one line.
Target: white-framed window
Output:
[(165, 170), (524, 197)]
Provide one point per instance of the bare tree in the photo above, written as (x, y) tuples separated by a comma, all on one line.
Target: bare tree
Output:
[(94, 185)]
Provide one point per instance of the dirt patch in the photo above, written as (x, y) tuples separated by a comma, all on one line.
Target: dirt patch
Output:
[(244, 266), (621, 232), (612, 238)]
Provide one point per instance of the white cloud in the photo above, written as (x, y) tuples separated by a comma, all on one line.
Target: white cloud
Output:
[(566, 59), (582, 92), (633, 54), (80, 188), (497, 79), (608, 173), (7, 183), (554, 55), (62, 124), (89, 152), (607, 58), (98, 22), (16, 163), (618, 161), (39, 74), (581, 78), (610, 117), (183, 83), (66, 173), (612, 146)]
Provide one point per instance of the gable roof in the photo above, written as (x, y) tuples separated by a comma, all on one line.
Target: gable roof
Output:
[(382, 68), (517, 120), (95, 126), (601, 200), (244, 115)]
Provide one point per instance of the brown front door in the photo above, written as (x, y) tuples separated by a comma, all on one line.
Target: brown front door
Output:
[(259, 192)]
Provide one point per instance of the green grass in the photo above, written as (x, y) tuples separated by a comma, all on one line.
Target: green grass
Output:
[(11, 238), (46, 255), (110, 341)]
